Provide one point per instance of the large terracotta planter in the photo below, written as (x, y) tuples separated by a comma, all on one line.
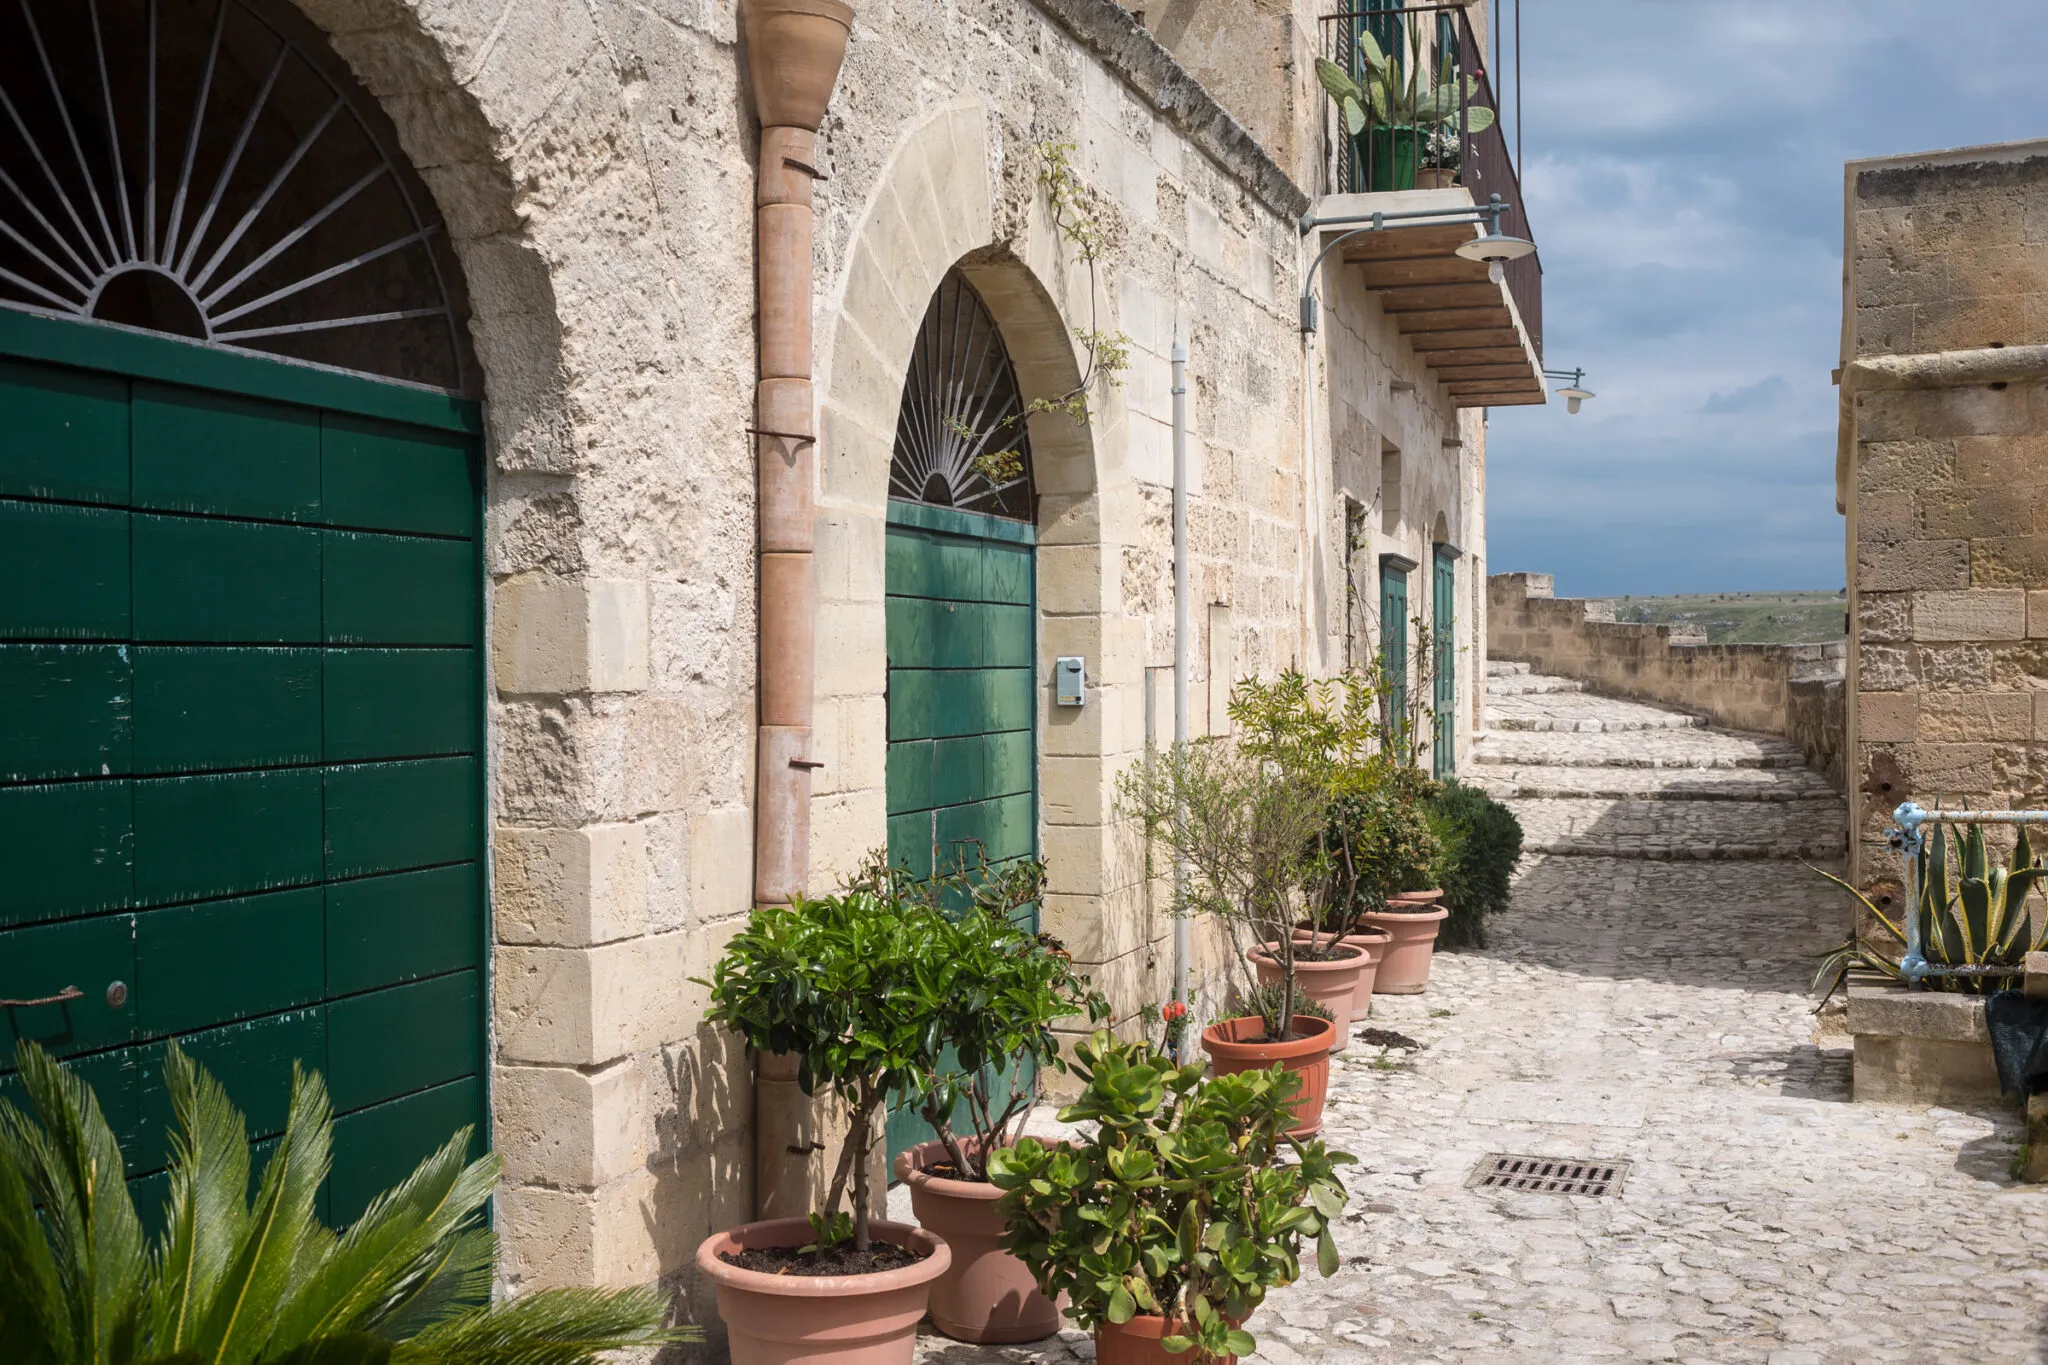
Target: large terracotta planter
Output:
[(1137, 1343), (1404, 970), (986, 1295), (1307, 1055), (821, 1319), (1333, 985), (794, 51)]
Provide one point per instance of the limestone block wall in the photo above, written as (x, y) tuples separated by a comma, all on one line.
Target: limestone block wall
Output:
[(1943, 477), (1743, 687)]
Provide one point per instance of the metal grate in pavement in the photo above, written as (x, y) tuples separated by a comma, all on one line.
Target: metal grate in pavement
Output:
[(1548, 1175)]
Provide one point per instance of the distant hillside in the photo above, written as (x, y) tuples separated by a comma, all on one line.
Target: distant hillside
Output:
[(1746, 618)]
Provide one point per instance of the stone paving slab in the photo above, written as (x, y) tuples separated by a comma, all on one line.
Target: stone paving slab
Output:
[(1654, 1013), (1523, 685), (1582, 713), (1641, 749), (1683, 829), (1507, 781)]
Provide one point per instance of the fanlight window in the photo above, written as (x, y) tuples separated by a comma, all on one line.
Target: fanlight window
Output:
[(207, 168), (960, 437)]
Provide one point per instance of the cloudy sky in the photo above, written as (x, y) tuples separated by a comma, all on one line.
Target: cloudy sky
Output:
[(1684, 179)]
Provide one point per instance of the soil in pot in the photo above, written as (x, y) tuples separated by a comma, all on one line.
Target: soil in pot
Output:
[(839, 1260), (1331, 980), (789, 1319), (1240, 1044), (1404, 967), (986, 1295)]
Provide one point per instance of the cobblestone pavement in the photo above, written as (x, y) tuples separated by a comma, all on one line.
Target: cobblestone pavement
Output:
[(1651, 1011)]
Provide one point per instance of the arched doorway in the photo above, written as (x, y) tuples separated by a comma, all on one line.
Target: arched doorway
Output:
[(960, 592), (241, 790)]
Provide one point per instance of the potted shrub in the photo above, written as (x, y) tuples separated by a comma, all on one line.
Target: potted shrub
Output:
[(1482, 843), (1391, 858), (1166, 1227), (1390, 109), (231, 1278), (998, 992), (843, 983)]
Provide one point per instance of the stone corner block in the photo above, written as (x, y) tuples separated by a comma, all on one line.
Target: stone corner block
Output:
[(567, 1128), (590, 1006), (571, 888), (556, 637)]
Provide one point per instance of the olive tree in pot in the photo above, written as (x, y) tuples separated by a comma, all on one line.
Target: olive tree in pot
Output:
[(845, 983), (1184, 1206), (997, 992)]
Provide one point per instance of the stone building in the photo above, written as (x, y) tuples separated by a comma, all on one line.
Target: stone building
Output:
[(1941, 474), (479, 513)]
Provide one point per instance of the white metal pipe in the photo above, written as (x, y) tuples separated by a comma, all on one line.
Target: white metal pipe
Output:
[(1180, 639)]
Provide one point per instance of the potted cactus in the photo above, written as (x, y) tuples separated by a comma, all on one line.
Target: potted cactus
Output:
[(1391, 109)]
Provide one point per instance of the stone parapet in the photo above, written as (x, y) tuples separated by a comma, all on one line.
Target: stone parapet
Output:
[(1790, 690)]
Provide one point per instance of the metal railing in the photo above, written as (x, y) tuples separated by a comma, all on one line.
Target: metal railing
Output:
[(1429, 46), (1909, 837)]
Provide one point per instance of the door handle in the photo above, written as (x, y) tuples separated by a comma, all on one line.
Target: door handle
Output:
[(68, 993)]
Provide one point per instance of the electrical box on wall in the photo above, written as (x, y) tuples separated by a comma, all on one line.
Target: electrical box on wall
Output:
[(1070, 681)]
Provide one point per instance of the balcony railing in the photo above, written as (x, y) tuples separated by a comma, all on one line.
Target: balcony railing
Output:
[(1412, 139)]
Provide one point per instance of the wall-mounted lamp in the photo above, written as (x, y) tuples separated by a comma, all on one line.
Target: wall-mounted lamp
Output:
[(1573, 393), (1495, 247)]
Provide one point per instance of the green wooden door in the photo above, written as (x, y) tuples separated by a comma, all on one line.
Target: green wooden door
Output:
[(1394, 642), (1443, 594), (963, 759), (240, 774)]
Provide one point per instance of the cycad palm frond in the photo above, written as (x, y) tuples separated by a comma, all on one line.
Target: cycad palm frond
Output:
[(232, 1282)]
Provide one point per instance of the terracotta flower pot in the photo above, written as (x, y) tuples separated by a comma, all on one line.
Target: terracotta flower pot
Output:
[(986, 1295), (794, 52), (1307, 1055), (1415, 897), (1435, 177), (1137, 1343), (821, 1319), (1405, 968), (1333, 985)]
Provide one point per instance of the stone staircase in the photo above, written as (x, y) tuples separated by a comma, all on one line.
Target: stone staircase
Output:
[(1596, 776)]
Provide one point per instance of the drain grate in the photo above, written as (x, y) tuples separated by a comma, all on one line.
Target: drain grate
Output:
[(1549, 1175)]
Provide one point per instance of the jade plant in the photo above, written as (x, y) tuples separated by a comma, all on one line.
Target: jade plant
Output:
[(1972, 913), (1186, 1198), (233, 1280), (995, 990)]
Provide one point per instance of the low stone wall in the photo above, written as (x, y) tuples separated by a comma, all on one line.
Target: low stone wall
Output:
[(1790, 690)]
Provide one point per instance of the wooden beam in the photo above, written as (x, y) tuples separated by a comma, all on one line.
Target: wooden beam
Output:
[(1455, 319), (1419, 297), (1425, 270), (1393, 242), (1454, 374), (1497, 400), (1480, 355), (1428, 343)]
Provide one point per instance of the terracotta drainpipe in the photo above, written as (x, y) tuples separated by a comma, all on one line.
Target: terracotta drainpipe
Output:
[(794, 51)]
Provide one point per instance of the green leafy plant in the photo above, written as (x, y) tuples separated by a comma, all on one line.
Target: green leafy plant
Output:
[(1481, 844), (1384, 844), (1972, 913), (846, 984), (235, 1281), (1398, 94), (1178, 1203), (994, 990)]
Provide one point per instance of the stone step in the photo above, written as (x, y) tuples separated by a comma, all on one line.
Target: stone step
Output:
[(1505, 668), (1684, 830), (1684, 749), (1584, 713), (1531, 685), (1506, 782)]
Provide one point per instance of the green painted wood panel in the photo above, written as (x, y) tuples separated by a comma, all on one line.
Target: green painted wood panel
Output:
[(392, 1042), (1003, 828), (1444, 647), (40, 962), (400, 703), (212, 452), (1394, 639), (382, 931), (69, 848), (391, 590), (231, 582), (384, 477), (201, 709), (63, 572), (377, 1148), (384, 817), (251, 1059), (226, 834), (198, 966), (67, 434), (65, 711), (113, 1078)]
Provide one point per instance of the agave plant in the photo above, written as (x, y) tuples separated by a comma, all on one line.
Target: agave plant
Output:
[(1399, 94), (235, 1282), (1978, 919)]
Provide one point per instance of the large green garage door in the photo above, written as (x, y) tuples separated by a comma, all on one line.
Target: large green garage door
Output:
[(240, 714)]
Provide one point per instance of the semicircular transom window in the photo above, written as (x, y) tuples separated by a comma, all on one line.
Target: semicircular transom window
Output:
[(208, 169), (960, 435)]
